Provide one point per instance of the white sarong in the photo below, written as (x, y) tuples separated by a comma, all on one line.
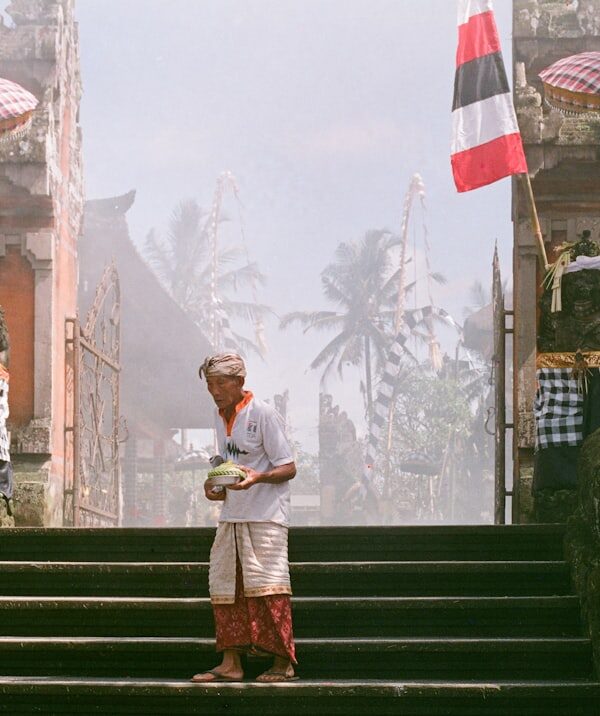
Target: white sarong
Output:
[(262, 548)]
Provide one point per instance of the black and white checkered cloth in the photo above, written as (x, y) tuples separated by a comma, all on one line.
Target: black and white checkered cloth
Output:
[(4, 444), (558, 409)]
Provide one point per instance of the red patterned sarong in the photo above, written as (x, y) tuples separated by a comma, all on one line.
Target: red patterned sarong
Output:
[(262, 623)]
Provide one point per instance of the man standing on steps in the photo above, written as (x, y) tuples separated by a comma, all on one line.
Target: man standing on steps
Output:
[(249, 578)]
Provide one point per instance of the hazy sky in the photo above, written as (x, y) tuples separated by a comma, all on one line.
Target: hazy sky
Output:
[(323, 109)]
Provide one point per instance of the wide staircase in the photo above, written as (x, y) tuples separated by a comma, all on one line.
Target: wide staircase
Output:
[(408, 620)]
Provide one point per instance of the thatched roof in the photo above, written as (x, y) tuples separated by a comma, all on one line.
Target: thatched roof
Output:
[(161, 347)]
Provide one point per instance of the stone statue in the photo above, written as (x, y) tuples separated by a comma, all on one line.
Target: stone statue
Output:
[(577, 325), (341, 461)]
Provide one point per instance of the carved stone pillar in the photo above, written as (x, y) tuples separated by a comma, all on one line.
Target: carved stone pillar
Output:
[(41, 203)]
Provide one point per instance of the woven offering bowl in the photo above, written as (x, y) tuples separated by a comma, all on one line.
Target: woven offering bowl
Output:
[(225, 474)]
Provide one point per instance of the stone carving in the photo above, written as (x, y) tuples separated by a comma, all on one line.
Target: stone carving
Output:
[(25, 12), (577, 326), (582, 541), (527, 17), (340, 461), (588, 16), (589, 224)]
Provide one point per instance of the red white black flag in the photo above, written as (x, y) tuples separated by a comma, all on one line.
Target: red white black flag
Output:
[(486, 143)]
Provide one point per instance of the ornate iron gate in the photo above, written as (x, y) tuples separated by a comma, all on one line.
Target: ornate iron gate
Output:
[(499, 367), (92, 465)]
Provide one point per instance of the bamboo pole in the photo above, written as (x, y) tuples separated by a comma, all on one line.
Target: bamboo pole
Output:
[(535, 222)]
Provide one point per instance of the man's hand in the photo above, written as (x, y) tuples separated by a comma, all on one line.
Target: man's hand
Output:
[(252, 477), (212, 493), (275, 476)]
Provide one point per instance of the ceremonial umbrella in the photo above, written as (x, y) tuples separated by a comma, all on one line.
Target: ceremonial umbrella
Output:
[(16, 107), (572, 85)]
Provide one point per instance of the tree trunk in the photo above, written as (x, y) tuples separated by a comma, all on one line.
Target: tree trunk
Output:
[(368, 380)]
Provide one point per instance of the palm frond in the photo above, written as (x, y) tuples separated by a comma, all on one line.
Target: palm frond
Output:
[(314, 319), (246, 310), (333, 348), (237, 278)]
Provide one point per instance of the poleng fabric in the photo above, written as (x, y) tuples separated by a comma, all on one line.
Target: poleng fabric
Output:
[(555, 466), (262, 550), (4, 442), (558, 409), (262, 624), (255, 437), (486, 142)]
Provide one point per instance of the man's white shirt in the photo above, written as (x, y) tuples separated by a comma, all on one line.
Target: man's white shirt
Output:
[(256, 439)]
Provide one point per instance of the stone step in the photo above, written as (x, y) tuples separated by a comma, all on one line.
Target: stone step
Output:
[(190, 579), (307, 544), (318, 658), (301, 698), (313, 617)]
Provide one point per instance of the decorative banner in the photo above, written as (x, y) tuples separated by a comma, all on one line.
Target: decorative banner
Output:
[(486, 142)]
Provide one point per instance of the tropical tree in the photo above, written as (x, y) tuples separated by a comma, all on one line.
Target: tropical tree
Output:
[(183, 261), (363, 284)]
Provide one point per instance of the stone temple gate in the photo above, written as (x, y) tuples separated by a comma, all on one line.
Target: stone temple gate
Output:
[(41, 205), (66, 425)]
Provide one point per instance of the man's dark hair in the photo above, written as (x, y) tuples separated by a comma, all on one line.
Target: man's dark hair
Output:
[(4, 342)]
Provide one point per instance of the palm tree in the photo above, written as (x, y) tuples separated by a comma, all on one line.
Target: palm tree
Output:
[(363, 284), (183, 262)]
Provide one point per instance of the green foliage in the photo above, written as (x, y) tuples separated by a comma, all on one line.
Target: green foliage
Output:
[(437, 418), (429, 409), (307, 480)]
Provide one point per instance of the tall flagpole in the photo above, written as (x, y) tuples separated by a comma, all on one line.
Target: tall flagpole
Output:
[(535, 222)]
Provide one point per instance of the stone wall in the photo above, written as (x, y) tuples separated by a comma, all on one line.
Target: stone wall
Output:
[(41, 205), (563, 156), (583, 539)]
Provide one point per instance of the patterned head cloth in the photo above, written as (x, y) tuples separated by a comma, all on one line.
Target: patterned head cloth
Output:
[(230, 364)]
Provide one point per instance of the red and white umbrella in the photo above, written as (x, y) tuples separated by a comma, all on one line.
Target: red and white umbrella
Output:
[(16, 108), (572, 84)]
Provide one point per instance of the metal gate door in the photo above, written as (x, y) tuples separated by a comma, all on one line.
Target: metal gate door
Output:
[(499, 367), (92, 466)]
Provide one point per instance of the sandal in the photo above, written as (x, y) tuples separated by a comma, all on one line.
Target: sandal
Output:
[(218, 677), (280, 676)]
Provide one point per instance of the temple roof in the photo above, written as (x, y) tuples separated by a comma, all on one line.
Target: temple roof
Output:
[(161, 347)]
